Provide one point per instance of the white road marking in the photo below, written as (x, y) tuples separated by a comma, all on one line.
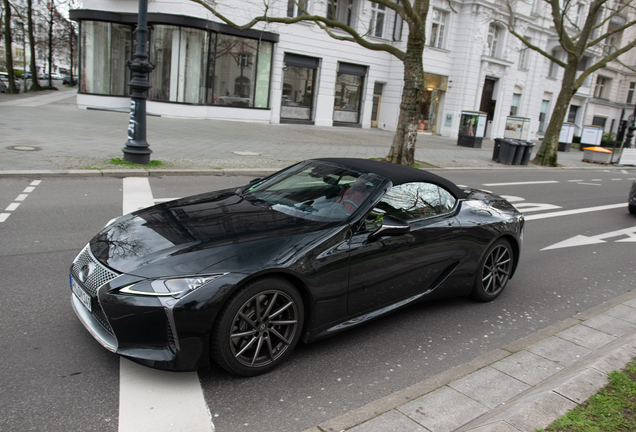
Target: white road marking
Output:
[(597, 179), (163, 200), (28, 189), (137, 194), (520, 183), (12, 206), (591, 184), (624, 171), (150, 399), (575, 181), (529, 207), (4, 216), (575, 211), (160, 401), (36, 182), (581, 240), (617, 179), (511, 198), (21, 197)]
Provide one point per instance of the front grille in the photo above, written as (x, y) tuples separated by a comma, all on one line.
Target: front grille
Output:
[(99, 315), (99, 274)]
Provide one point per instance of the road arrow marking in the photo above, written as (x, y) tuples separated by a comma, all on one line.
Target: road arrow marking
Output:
[(576, 211), (581, 240)]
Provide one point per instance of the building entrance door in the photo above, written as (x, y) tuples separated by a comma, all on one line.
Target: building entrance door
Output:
[(429, 108)]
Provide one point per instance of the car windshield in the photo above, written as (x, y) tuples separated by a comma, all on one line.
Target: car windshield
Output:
[(315, 190)]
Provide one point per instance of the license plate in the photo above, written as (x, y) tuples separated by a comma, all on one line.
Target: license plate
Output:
[(82, 295)]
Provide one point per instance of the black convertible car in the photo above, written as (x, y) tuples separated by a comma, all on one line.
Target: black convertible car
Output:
[(238, 276)]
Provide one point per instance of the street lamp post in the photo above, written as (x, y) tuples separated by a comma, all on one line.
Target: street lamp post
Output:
[(137, 148)]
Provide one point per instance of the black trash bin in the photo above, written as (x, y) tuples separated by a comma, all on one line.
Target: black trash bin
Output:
[(519, 150), (527, 152), (504, 151), (564, 147)]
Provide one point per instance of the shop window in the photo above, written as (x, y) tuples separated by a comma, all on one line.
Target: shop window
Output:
[(233, 65), (299, 76), (106, 47), (438, 28), (348, 93)]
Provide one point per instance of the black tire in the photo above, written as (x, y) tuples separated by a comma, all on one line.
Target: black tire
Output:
[(494, 271), (258, 327), (632, 208)]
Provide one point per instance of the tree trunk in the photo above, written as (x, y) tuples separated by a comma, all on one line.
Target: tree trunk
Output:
[(35, 84), (7, 46), (547, 154), (403, 147)]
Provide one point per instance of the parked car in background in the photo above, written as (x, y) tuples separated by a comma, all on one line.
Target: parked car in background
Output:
[(57, 76), (235, 100), (3, 86), (4, 77), (67, 80), (631, 202)]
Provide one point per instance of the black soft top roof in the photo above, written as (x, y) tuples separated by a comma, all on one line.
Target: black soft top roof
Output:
[(398, 174)]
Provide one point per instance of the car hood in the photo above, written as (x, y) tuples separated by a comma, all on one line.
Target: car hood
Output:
[(189, 235)]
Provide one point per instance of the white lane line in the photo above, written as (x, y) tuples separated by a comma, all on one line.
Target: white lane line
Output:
[(149, 399), (137, 194), (597, 179), (574, 181), (591, 184), (21, 197), (4, 216), (576, 211), (28, 189), (36, 182), (520, 183), (12, 206), (617, 179), (25, 193), (160, 401)]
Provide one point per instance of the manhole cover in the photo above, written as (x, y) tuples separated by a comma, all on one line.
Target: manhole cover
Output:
[(24, 148)]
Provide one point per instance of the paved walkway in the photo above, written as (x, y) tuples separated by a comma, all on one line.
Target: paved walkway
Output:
[(48, 132), (517, 388)]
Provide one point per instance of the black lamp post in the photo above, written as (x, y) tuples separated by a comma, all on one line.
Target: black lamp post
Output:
[(630, 130), (137, 149)]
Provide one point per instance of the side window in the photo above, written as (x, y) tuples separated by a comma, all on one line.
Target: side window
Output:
[(412, 201)]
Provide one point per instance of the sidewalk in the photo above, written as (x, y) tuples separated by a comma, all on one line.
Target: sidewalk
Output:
[(46, 132), (519, 388)]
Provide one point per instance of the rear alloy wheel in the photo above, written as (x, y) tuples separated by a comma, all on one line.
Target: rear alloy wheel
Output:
[(632, 208), (494, 271), (258, 328)]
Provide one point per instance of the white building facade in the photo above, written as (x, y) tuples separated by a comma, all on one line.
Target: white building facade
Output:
[(279, 73)]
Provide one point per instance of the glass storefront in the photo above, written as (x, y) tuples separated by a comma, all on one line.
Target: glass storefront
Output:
[(348, 93), (192, 65), (105, 49), (434, 86), (299, 80)]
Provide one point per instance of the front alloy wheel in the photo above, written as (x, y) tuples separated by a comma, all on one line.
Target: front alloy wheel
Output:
[(494, 271), (258, 328)]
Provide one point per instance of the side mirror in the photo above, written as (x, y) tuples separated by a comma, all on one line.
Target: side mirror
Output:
[(390, 226)]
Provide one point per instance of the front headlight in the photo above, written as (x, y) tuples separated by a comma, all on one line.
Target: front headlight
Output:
[(177, 287)]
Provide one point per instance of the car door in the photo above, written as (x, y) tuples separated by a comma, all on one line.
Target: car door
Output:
[(391, 268)]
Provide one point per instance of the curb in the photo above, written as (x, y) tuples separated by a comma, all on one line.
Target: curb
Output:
[(404, 396), (250, 172)]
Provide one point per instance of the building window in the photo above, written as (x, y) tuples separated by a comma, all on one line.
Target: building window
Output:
[(348, 93), (578, 15), (299, 80), (524, 54), (105, 49), (599, 121), (376, 26), (630, 93), (554, 68), (233, 65), (514, 106), (340, 10), (602, 84), (438, 28), (494, 35), (543, 114), (295, 8), (397, 27), (574, 109)]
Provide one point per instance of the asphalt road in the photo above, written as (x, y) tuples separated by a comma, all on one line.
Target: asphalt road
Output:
[(56, 377)]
